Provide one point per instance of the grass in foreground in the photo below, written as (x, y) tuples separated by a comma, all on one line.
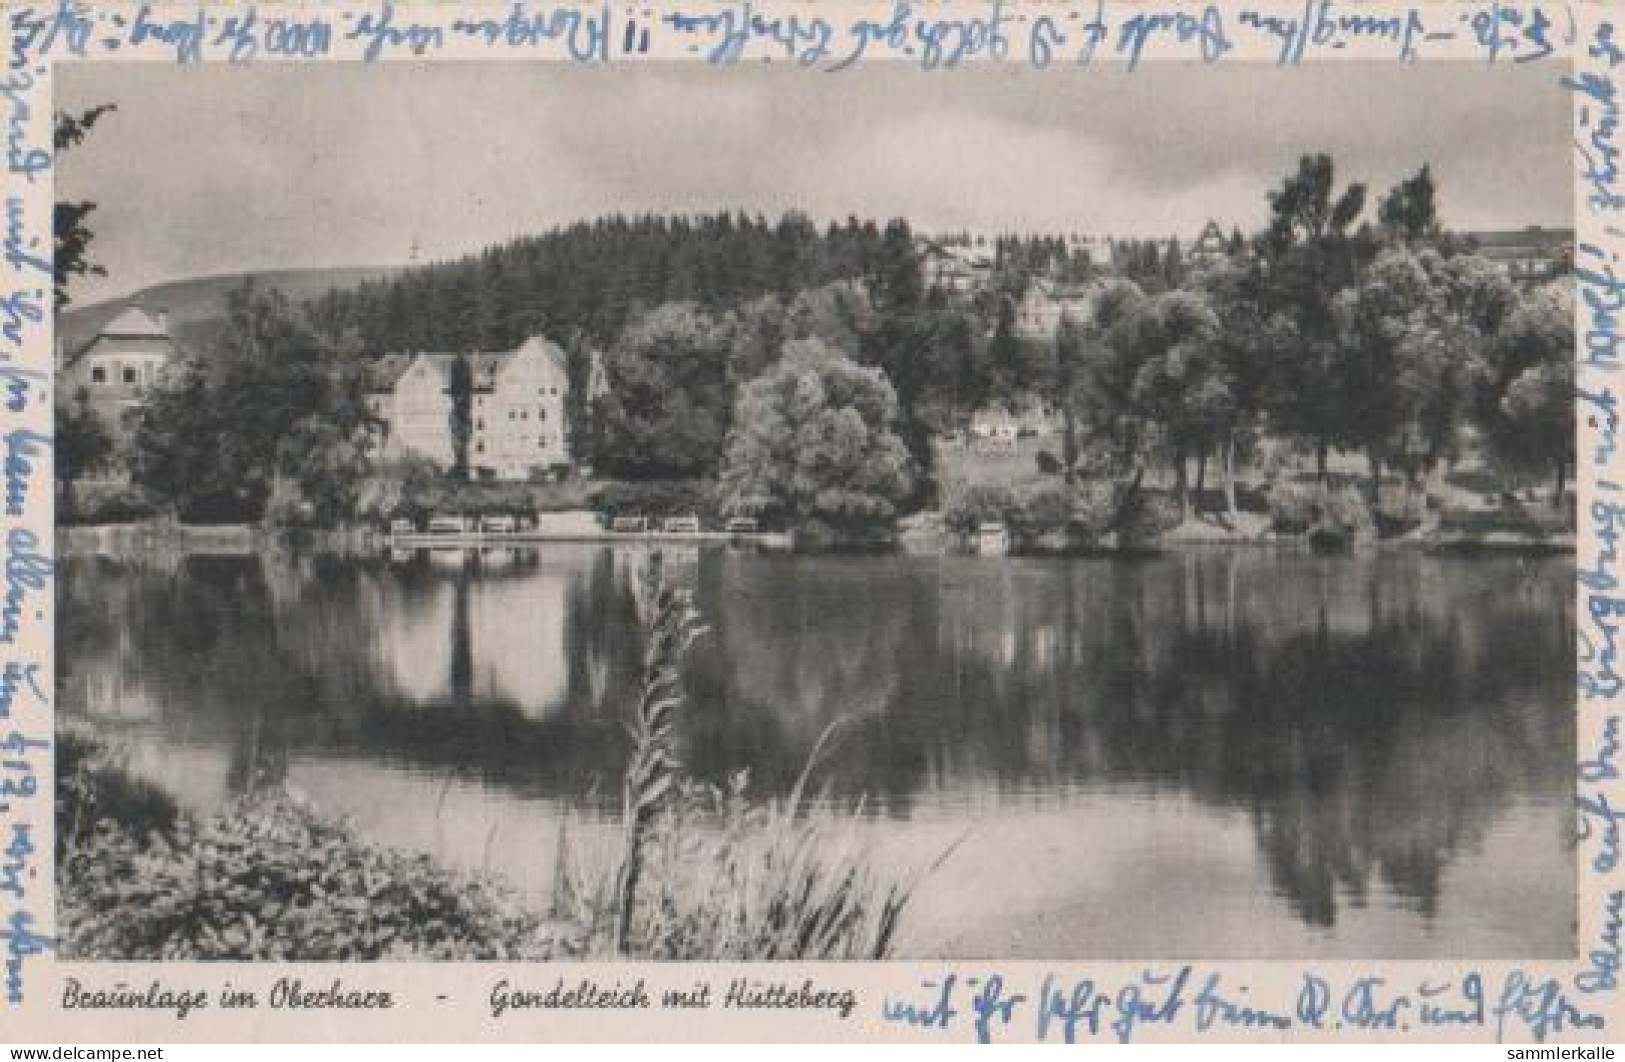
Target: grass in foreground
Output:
[(706, 873)]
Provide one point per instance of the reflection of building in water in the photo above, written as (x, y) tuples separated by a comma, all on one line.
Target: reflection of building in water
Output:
[(1001, 615), (517, 629), (411, 639), (479, 636)]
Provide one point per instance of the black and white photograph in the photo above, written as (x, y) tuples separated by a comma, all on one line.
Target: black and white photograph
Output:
[(516, 511)]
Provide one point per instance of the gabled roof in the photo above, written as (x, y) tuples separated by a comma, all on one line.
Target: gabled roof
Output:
[(486, 365), (1212, 238), (133, 323), (385, 372), (554, 352), (136, 331)]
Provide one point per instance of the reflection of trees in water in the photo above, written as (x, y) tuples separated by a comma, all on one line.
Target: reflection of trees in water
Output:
[(1372, 716), (191, 636), (603, 643), (263, 656), (794, 646)]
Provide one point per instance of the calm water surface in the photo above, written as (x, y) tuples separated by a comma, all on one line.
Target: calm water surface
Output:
[(1213, 754)]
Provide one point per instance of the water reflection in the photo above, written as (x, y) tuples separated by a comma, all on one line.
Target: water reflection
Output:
[(1344, 734)]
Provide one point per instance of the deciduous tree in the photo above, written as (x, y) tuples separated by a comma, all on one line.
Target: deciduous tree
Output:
[(815, 441), (81, 443), (1525, 397), (666, 411)]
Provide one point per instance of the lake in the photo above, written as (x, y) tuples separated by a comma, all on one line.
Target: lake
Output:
[(1209, 753)]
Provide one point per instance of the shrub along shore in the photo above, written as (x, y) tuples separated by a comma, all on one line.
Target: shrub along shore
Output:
[(267, 879), (1040, 517)]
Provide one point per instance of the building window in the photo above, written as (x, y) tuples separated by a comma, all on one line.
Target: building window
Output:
[(129, 374), (479, 425), (524, 414), (541, 415), (98, 375), (479, 448)]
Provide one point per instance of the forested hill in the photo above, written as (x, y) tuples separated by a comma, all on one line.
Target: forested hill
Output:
[(579, 284), (584, 281)]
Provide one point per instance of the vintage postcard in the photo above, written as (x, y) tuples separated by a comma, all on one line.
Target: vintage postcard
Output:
[(989, 521)]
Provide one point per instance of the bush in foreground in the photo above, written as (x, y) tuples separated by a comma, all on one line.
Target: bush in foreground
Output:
[(271, 880), (94, 789), (268, 879)]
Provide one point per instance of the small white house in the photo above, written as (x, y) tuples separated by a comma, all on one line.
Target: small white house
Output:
[(992, 539), (994, 429)]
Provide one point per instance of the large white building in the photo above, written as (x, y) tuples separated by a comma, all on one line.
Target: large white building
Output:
[(519, 429)]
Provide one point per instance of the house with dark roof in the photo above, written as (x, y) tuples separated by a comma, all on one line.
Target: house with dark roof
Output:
[(517, 406)]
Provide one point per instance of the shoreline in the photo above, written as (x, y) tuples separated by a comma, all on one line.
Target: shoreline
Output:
[(241, 539)]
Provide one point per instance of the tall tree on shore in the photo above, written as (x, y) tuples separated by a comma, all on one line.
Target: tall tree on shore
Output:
[(1167, 351), (1308, 254), (1415, 326), (665, 412), (1376, 316), (1247, 344), (1069, 351), (81, 439), (899, 340), (1102, 397), (1525, 396), (1443, 351)]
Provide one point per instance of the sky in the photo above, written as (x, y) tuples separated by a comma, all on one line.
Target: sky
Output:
[(219, 169)]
